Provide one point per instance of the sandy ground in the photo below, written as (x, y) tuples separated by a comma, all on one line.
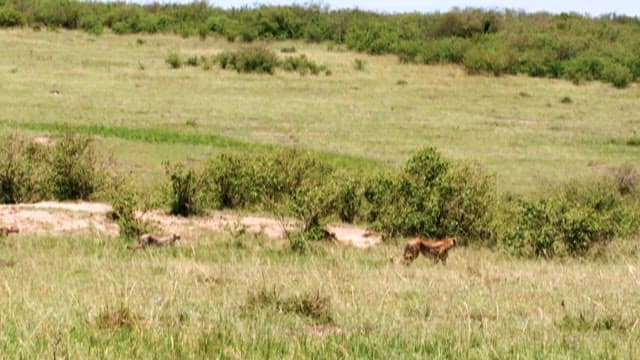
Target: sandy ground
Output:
[(90, 218)]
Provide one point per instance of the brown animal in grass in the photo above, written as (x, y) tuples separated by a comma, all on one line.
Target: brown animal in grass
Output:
[(157, 240), (6, 230), (436, 249)]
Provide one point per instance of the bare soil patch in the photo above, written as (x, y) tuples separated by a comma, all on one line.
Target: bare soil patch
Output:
[(55, 218)]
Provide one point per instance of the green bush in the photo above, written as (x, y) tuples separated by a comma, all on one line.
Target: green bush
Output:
[(11, 17), (184, 190), (74, 172), (302, 65), (311, 203), (193, 61), (22, 164), (359, 64), (123, 210), (174, 60), (486, 58), (348, 199), (283, 172), (570, 221), (229, 182), (620, 76), (252, 59), (256, 59), (66, 170), (432, 197)]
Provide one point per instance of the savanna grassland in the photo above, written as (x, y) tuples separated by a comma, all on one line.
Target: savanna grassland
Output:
[(240, 295), (518, 127)]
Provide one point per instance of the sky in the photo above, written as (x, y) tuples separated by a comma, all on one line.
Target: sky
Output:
[(593, 8)]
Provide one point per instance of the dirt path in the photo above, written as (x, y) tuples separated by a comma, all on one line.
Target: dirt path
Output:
[(84, 217)]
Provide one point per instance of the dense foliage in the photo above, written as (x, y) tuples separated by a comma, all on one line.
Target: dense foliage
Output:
[(65, 170), (568, 46), (429, 196)]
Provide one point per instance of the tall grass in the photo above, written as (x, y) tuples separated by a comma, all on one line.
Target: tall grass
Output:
[(214, 299)]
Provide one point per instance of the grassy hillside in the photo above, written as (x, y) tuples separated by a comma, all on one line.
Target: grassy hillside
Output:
[(531, 132), (569, 46)]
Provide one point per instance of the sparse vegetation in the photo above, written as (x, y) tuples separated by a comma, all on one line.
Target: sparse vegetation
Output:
[(302, 65), (359, 64), (174, 60)]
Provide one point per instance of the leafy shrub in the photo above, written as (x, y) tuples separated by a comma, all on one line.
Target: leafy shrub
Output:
[(184, 190), (73, 170), (298, 242), (443, 51), (348, 199), (566, 100), (123, 205), (96, 30), (311, 203), (21, 162), (282, 173), (620, 76), (431, 197), (192, 61), (11, 17), (302, 65), (229, 181), (252, 59), (633, 141), (570, 221), (174, 60), (486, 58)]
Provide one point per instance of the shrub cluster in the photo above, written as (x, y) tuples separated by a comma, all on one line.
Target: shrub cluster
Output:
[(570, 46), (570, 221), (251, 59), (302, 65), (66, 170), (429, 196), (432, 197)]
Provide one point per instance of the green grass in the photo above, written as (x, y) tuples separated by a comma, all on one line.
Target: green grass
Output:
[(248, 297), (527, 140)]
